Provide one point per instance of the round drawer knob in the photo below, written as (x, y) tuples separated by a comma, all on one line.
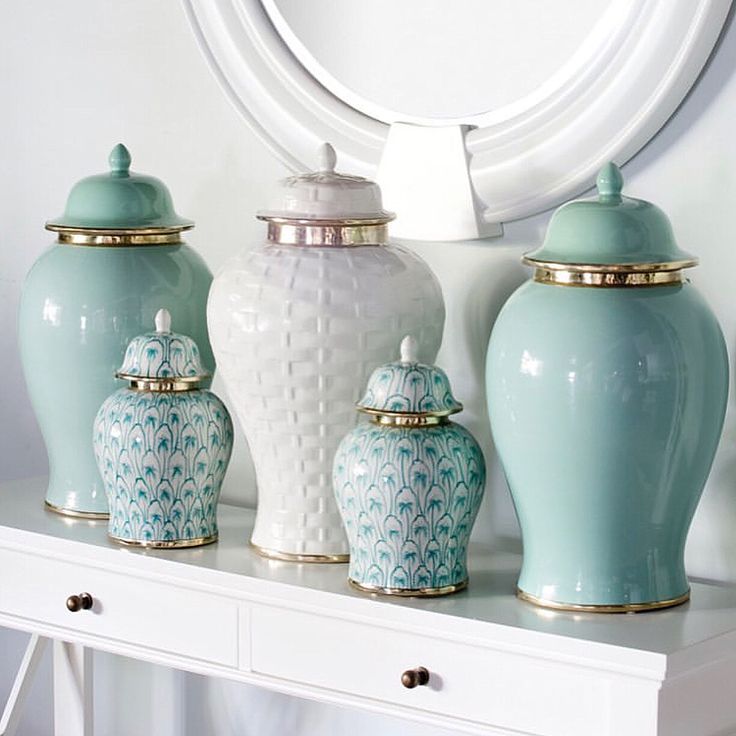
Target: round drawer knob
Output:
[(80, 602), (414, 677)]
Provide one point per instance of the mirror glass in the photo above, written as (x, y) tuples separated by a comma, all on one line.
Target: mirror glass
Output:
[(434, 61)]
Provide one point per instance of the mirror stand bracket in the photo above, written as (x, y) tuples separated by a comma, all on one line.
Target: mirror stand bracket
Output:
[(425, 178)]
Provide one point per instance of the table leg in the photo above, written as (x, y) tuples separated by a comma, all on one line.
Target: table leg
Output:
[(72, 689), (23, 681)]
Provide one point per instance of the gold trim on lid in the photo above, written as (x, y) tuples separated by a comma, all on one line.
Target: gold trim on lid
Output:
[(163, 385), (609, 275), (604, 608), (607, 279), (114, 238), (326, 233)]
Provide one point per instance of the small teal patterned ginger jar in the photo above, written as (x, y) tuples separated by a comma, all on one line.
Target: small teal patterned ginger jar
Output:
[(409, 483), (119, 256), (607, 380), (163, 445)]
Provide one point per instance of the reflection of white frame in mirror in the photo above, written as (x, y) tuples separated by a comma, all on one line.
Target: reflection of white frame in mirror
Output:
[(522, 160)]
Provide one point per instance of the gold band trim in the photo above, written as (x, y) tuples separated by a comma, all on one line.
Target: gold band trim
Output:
[(408, 420), (162, 385), (73, 513), (604, 608), (405, 419), (409, 592), (612, 267), (165, 544), (607, 279), (114, 238), (327, 234), (274, 554)]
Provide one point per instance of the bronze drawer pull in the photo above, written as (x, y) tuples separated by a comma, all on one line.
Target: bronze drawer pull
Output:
[(83, 601), (417, 676)]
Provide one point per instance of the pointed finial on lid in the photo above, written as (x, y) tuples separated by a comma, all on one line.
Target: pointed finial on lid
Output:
[(163, 320), (409, 349), (610, 182), (327, 158), (119, 160)]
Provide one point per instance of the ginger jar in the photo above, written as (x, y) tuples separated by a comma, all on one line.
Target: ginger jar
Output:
[(163, 444), (409, 483), (119, 257), (607, 379), (297, 324)]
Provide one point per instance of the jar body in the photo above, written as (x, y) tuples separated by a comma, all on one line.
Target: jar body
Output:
[(409, 498), (297, 331), (80, 307), (162, 457), (606, 406)]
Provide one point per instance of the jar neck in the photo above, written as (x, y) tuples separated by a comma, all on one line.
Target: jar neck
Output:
[(319, 233)]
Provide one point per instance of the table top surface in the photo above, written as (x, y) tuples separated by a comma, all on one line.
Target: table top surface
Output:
[(708, 620)]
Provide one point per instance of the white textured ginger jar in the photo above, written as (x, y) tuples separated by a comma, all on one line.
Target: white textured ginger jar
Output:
[(297, 324)]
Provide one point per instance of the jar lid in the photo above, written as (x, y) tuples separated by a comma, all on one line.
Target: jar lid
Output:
[(163, 357), (119, 200), (409, 387), (611, 232), (326, 196)]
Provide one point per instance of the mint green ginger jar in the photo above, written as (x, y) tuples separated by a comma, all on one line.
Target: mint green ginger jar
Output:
[(119, 257), (409, 483), (607, 380)]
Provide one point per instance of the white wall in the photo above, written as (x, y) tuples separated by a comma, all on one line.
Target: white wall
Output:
[(78, 76)]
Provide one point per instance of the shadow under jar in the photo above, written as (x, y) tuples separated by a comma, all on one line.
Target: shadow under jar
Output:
[(607, 380)]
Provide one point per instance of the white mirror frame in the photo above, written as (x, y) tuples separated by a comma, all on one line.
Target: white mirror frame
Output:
[(524, 158)]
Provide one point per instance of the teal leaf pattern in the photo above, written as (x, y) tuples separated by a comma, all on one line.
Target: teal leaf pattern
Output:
[(412, 388), (162, 457), (408, 498)]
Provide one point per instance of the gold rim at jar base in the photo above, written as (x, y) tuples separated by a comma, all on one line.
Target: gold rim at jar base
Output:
[(410, 592), (164, 543), (603, 608), (275, 554), (74, 514)]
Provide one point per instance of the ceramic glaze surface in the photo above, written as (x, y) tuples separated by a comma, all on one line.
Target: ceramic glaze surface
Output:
[(162, 355), (409, 497), (162, 457), (81, 305), (297, 331), (606, 407), (419, 389)]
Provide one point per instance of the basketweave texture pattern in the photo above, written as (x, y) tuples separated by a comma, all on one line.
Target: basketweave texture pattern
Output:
[(297, 331)]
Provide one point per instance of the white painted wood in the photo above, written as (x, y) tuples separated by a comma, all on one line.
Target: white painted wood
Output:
[(22, 684), (432, 194), (125, 607), (73, 705), (630, 75), (499, 666)]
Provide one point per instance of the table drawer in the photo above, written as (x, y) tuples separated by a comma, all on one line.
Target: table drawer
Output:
[(474, 683), (126, 608)]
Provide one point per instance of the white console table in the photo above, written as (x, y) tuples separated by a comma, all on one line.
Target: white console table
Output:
[(497, 665)]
